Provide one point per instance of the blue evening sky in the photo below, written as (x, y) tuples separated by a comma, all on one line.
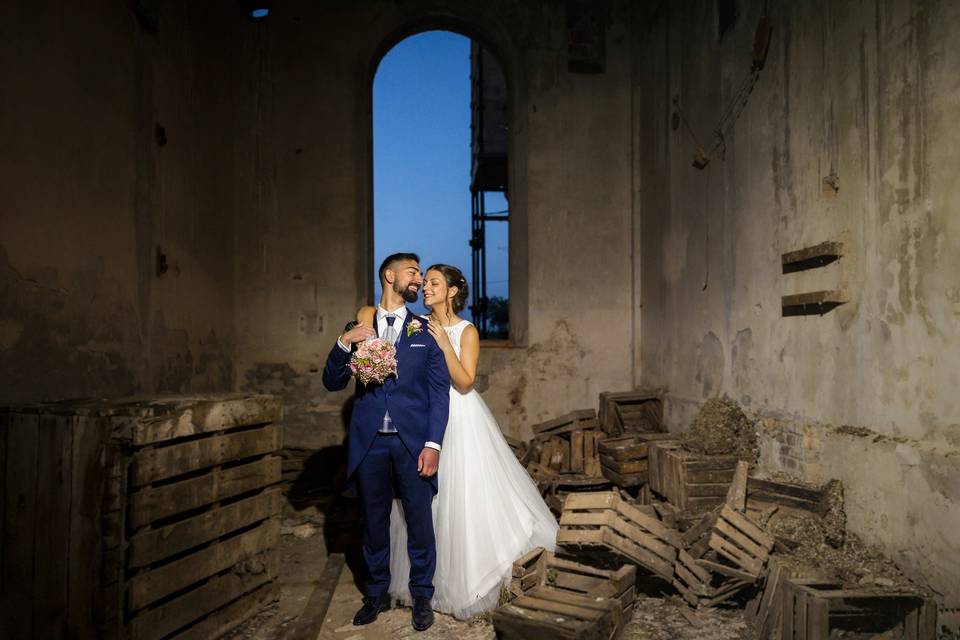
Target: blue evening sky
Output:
[(421, 159)]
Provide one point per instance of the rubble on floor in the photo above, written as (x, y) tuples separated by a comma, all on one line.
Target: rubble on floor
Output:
[(695, 521)]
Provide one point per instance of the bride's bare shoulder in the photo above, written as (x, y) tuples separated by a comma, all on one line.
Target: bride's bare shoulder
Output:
[(366, 314)]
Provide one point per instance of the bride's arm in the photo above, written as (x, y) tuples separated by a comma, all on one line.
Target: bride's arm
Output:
[(463, 370)]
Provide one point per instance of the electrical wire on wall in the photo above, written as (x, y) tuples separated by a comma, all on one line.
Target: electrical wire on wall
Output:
[(761, 45)]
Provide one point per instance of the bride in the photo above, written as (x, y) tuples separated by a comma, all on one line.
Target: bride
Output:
[(488, 511)]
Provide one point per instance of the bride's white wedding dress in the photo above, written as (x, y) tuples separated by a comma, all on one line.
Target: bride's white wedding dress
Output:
[(487, 513)]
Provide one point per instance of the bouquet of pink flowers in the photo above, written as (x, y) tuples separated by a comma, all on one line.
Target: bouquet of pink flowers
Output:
[(374, 361)]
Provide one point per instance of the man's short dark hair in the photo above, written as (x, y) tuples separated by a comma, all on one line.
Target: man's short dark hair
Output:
[(396, 257)]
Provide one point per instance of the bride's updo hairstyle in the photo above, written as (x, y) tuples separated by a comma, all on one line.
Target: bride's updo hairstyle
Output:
[(454, 278)]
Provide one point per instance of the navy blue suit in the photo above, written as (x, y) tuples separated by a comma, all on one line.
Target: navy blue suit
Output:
[(381, 467)]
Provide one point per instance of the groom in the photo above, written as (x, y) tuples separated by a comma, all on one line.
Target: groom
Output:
[(395, 436)]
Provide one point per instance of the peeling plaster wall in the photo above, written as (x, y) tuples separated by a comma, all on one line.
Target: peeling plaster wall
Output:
[(87, 196), (304, 228), (867, 91)]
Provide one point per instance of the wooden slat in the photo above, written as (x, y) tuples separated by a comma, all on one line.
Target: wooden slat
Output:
[(623, 467), (747, 526), (20, 518), (724, 570), (52, 531), (150, 586), (158, 463), (581, 419), (558, 608), (516, 623), (742, 541), (737, 493), (154, 503), (576, 451), (818, 618), (231, 616), (205, 416), (90, 437), (153, 624), (152, 545)]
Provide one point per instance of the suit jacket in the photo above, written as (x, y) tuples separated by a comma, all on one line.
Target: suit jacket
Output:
[(418, 398)]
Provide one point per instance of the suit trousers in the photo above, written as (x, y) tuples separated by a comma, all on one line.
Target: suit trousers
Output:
[(389, 470)]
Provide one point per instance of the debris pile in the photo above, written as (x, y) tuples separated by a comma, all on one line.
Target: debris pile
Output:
[(688, 515)]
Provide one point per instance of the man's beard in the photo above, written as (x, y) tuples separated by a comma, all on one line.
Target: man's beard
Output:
[(407, 294)]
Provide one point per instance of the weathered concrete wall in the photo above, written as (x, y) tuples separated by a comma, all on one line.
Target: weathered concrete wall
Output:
[(305, 220), (88, 195), (866, 91)]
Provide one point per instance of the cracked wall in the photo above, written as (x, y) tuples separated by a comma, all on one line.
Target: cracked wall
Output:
[(862, 93), (89, 194)]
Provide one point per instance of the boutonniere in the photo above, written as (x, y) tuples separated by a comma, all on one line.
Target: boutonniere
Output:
[(414, 326)]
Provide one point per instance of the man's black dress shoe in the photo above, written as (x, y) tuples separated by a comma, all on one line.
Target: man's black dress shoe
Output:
[(372, 606), (422, 614)]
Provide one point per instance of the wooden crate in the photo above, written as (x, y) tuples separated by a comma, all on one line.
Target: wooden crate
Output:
[(555, 488), (741, 543), (616, 531), (540, 567), (155, 516), (623, 460), (631, 411), (811, 609), (581, 420), (554, 597), (691, 481)]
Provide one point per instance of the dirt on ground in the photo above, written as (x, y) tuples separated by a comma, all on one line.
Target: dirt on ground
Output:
[(722, 428), (852, 562)]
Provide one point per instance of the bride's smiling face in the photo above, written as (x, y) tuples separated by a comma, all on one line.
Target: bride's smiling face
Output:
[(435, 290)]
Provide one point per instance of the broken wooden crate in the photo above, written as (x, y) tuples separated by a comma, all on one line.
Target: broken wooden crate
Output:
[(153, 516), (811, 609), (692, 482), (631, 411), (614, 531), (568, 444), (555, 488), (699, 586), (624, 460), (553, 597)]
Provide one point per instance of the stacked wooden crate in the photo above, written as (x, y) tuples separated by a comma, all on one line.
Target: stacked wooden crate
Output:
[(568, 444), (631, 411), (624, 460), (692, 482), (156, 517), (614, 531), (564, 457), (552, 597)]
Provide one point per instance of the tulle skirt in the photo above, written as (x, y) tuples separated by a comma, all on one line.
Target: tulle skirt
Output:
[(487, 513)]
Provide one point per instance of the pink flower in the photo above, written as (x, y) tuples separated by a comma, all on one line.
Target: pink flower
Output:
[(374, 361), (414, 326)]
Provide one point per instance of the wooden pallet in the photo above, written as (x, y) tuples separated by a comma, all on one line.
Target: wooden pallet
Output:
[(691, 481), (617, 531), (554, 597), (812, 608), (159, 514), (624, 459), (631, 411)]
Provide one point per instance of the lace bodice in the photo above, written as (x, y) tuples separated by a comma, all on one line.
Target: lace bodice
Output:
[(454, 332)]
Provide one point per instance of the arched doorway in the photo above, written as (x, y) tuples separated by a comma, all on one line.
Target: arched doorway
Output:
[(440, 170)]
